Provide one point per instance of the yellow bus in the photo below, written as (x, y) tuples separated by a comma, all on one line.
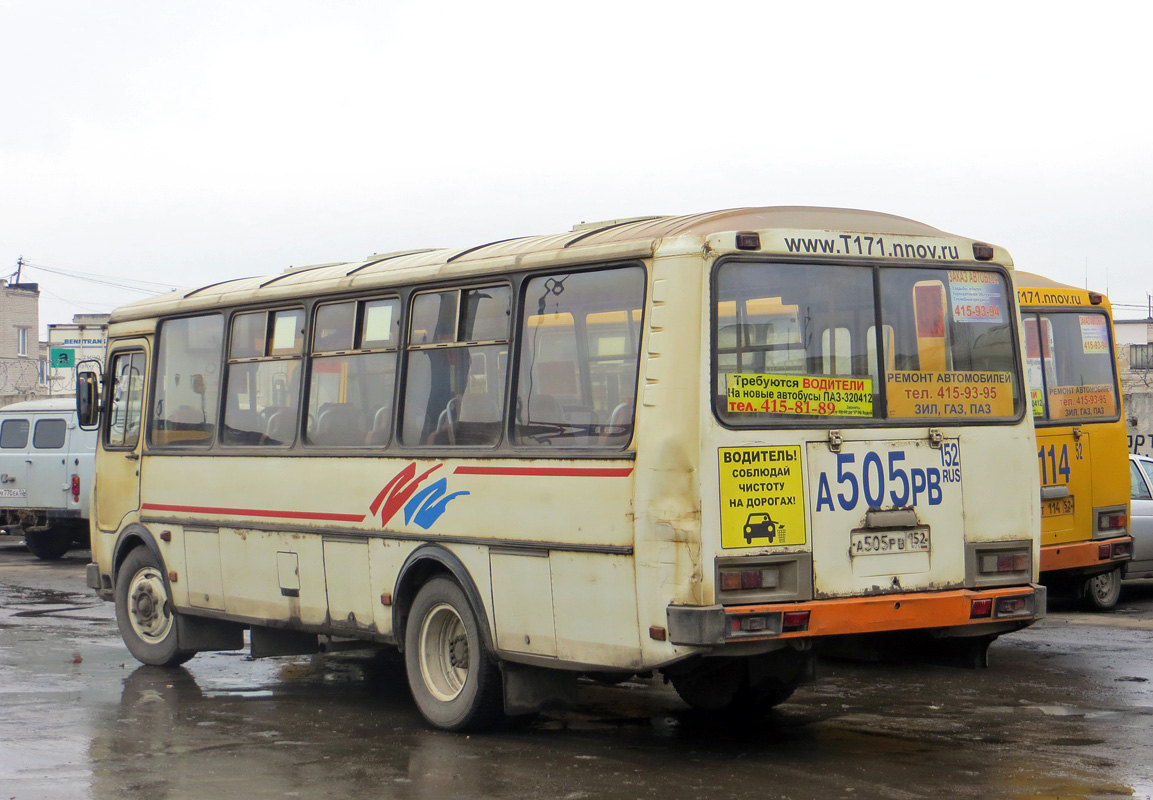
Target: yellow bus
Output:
[(1082, 449), (691, 445)]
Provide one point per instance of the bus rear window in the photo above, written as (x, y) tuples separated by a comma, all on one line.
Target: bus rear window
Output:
[(1071, 371), (809, 342)]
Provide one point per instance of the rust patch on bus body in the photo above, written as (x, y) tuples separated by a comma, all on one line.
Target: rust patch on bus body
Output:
[(675, 512)]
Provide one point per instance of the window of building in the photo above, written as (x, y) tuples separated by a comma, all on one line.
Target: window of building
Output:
[(1141, 356)]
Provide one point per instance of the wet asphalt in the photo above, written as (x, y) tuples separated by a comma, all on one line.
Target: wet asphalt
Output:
[(1065, 710)]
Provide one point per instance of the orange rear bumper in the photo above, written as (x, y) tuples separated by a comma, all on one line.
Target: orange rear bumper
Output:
[(1082, 555), (714, 625)]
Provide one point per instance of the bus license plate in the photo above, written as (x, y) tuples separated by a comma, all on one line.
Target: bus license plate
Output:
[(867, 543), (1058, 507)]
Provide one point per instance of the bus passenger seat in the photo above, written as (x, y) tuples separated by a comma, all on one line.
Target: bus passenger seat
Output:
[(381, 426), (620, 427), (281, 426), (339, 424)]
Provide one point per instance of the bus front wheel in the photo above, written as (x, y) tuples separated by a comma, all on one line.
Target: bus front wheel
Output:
[(454, 680), (1102, 591), (144, 611)]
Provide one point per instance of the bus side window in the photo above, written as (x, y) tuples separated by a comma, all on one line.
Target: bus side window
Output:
[(127, 400), (263, 384), (187, 381), (580, 345), (350, 393), (454, 387)]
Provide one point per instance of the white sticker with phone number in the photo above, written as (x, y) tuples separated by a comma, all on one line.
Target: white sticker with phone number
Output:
[(975, 296)]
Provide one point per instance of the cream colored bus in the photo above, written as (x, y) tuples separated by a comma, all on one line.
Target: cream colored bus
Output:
[(689, 445)]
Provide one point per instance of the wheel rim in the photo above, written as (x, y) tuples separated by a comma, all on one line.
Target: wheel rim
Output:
[(443, 652), (148, 610), (1103, 586)]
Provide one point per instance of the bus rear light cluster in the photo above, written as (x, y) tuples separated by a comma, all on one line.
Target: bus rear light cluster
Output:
[(1112, 522), (992, 563), (1112, 550), (75, 488), (1020, 605), (746, 579)]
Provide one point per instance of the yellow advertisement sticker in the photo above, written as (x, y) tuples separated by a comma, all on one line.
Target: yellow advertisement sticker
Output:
[(762, 497), (821, 395), (1076, 402), (949, 394)]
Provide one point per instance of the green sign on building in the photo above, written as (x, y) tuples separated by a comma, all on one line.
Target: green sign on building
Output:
[(63, 357)]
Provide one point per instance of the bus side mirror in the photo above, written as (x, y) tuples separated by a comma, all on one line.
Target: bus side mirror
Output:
[(87, 400), (198, 384)]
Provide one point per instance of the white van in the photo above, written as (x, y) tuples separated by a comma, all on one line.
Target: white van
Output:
[(46, 474)]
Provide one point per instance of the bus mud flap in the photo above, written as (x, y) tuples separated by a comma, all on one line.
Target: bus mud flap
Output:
[(528, 690), (277, 642), (198, 634)]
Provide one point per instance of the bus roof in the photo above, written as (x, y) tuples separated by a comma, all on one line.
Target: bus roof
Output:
[(1037, 290), (585, 243)]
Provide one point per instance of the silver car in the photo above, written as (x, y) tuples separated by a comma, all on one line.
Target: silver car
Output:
[(1140, 517)]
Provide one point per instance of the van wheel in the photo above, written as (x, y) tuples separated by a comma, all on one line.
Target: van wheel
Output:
[(454, 680), (144, 611), (1102, 591), (48, 545)]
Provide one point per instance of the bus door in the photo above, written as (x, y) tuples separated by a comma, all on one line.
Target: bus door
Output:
[(118, 460)]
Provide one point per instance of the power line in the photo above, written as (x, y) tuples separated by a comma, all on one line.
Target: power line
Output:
[(127, 284)]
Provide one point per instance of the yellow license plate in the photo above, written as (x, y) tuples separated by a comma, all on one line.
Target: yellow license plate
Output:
[(1057, 508)]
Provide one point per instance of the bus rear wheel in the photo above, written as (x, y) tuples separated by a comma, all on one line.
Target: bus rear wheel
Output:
[(1102, 591), (454, 680), (144, 611)]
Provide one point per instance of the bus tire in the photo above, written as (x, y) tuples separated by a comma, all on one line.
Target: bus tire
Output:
[(1103, 590), (454, 680), (144, 611), (48, 545)]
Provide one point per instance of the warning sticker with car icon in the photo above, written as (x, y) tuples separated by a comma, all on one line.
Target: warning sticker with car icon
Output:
[(760, 526), (762, 496)]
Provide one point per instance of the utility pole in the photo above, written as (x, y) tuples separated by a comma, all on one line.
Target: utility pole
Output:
[(19, 266)]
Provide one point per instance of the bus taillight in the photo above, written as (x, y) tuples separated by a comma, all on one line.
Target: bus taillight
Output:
[(1005, 562), (1112, 550), (795, 621), (1109, 522), (75, 488), (736, 580), (981, 608)]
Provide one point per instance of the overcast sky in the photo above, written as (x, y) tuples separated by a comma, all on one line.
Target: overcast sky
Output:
[(183, 143)]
